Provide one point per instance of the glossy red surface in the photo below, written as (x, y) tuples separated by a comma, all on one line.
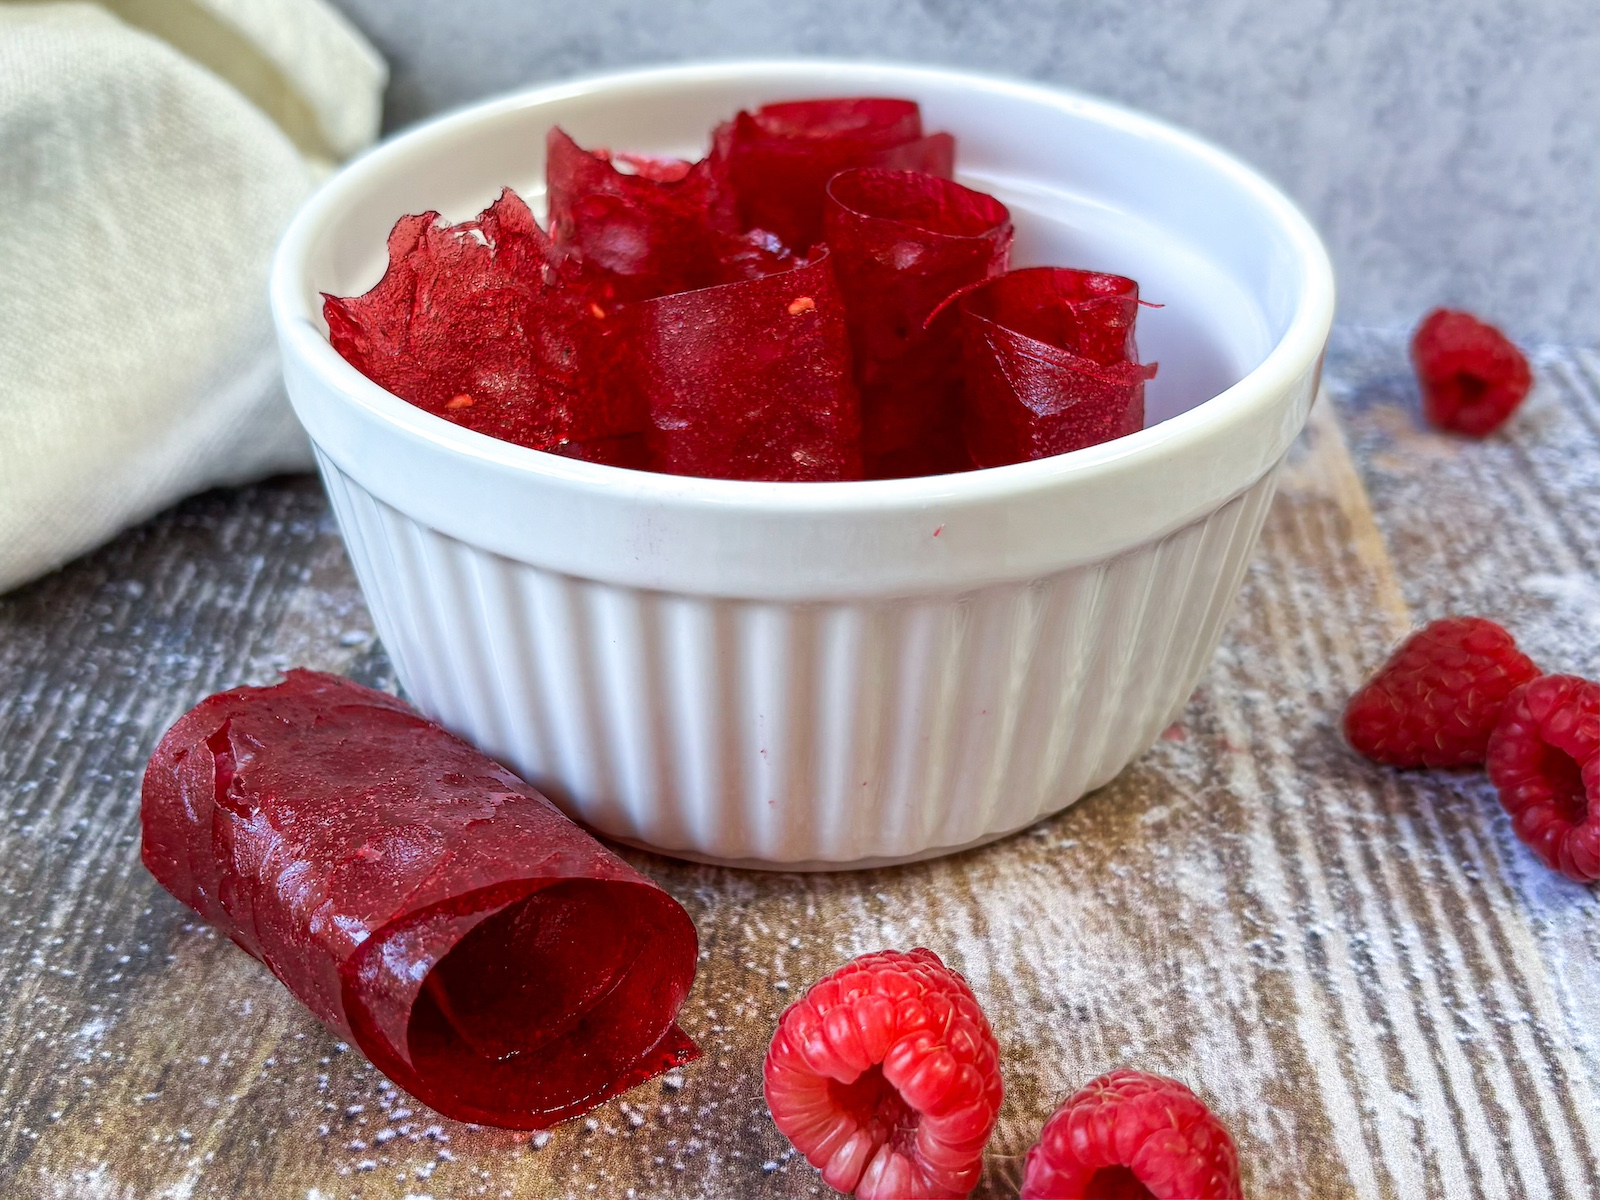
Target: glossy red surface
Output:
[(483, 951), (1050, 364), (903, 243), (750, 380)]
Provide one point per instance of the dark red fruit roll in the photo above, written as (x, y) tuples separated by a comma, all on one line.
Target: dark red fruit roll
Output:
[(777, 160), (1050, 364), (648, 230), (1544, 759), (484, 325), (1472, 376), (483, 951), (902, 243), (750, 380)]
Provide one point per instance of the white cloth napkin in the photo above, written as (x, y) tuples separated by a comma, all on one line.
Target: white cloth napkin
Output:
[(151, 152)]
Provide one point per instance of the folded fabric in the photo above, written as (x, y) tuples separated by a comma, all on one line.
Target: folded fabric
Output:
[(154, 153)]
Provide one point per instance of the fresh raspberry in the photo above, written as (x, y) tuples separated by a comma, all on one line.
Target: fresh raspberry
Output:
[(1472, 377), (1544, 758), (1131, 1135), (885, 1075), (1435, 702)]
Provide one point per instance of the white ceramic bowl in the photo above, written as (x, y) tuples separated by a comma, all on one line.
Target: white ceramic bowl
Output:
[(835, 674)]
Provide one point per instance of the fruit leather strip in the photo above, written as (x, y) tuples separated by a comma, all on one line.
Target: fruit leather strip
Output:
[(648, 231), (778, 160), (1089, 313), (902, 243), (483, 951), (750, 380), (1050, 364), (663, 229), (479, 324)]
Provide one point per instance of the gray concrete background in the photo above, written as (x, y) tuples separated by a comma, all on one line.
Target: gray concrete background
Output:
[(1449, 150)]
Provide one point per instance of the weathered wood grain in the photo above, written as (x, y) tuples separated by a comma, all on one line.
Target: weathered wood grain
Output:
[(1363, 971)]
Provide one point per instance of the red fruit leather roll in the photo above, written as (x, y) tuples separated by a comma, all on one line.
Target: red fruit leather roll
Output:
[(483, 951), (484, 325), (778, 160), (1050, 364), (649, 231), (661, 230), (902, 243), (750, 380)]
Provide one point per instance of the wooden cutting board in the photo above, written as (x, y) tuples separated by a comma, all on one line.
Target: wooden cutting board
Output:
[(1378, 988)]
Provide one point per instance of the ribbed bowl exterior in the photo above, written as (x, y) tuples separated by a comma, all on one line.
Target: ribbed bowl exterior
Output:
[(801, 735)]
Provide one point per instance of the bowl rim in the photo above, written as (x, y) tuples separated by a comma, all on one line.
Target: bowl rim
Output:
[(1300, 346)]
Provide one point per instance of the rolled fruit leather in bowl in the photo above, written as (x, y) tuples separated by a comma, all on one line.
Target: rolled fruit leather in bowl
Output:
[(903, 242), (1050, 363), (649, 231), (777, 160), (484, 952), (750, 380), (486, 325), (652, 231)]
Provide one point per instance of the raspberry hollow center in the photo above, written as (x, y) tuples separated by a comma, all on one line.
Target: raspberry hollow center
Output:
[(1564, 777), (876, 1105), (1116, 1183)]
